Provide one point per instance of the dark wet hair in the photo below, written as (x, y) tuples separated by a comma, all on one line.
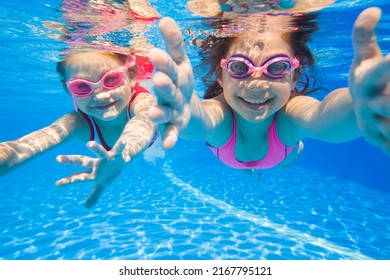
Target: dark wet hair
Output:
[(214, 47), (61, 65)]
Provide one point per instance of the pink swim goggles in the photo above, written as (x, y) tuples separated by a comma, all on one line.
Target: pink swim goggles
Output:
[(240, 67), (111, 79)]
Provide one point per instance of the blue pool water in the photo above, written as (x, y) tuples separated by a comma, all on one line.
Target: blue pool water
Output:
[(184, 204)]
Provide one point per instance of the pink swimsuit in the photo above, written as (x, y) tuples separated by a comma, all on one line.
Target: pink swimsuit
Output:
[(277, 151)]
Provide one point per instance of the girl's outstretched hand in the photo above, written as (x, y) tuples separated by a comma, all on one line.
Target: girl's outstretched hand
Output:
[(173, 84), (369, 81), (103, 170)]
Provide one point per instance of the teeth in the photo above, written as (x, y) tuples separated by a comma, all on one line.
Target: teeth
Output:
[(255, 101)]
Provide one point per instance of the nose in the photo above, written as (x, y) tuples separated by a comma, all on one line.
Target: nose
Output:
[(100, 92), (257, 84), (257, 74)]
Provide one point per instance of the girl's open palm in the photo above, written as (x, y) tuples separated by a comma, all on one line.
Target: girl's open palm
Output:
[(369, 81), (173, 84), (103, 170)]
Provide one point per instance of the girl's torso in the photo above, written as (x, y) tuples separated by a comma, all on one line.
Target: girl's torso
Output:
[(247, 144)]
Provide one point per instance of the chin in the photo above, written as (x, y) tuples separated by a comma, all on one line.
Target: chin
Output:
[(254, 116), (256, 119)]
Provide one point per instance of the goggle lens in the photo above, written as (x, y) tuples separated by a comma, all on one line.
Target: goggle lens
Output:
[(110, 80), (279, 68), (240, 67), (80, 88), (113, 79)]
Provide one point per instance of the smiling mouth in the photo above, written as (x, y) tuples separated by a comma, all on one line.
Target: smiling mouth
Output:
[(105, 106), (255, 104)]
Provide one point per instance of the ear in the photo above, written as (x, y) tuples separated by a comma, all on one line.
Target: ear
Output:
[(220, 82), (295, 79), (219, 76), (74, 102), (294, 83)]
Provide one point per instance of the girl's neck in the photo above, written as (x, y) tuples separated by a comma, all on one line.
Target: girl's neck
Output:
[(115, 124), (253, 129)]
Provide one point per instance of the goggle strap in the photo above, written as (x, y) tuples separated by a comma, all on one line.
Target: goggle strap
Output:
[(295, 63), (223, 62), (74, 102)]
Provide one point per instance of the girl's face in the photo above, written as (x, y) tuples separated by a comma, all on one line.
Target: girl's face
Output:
[(258, 96), (105, 103)]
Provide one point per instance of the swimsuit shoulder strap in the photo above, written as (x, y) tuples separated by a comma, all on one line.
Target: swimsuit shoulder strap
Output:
[(92, 128), (90, 124), (101, 138), (137, 89)]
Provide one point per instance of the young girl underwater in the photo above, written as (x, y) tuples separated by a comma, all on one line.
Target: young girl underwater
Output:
[(111, 108), (256, 111)]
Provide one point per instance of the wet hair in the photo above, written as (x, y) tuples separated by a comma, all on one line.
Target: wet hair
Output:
[(215, 47), (63, 64)]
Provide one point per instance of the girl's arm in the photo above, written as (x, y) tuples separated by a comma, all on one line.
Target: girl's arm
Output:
[(211, 121), (340, 117), (16, 152), (108, 165), (331, 120), (179, 110), (140, 130)]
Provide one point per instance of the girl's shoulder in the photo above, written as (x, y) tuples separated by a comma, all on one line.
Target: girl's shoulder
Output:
[(76, 124), (292, 118), (141, 99), (221, 119)]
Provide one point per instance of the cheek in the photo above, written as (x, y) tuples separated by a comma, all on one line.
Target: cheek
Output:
[(228, 83), (283, 91), (122, 90), (231, 89), (126, 94), (127, 87), (82, 102), (123, 96)]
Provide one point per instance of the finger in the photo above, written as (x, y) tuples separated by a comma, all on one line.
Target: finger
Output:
[(160, 114), (173, 39), (93, 197), (164, 89), (363, 35), (379, 135), (380, 105), (377, 79), (75, 160), (162, 61), (97, 149), (120, 149), (170, 136), (75, 178)]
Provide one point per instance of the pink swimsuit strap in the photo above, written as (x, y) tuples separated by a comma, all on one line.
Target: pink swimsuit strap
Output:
[(277, 151)]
